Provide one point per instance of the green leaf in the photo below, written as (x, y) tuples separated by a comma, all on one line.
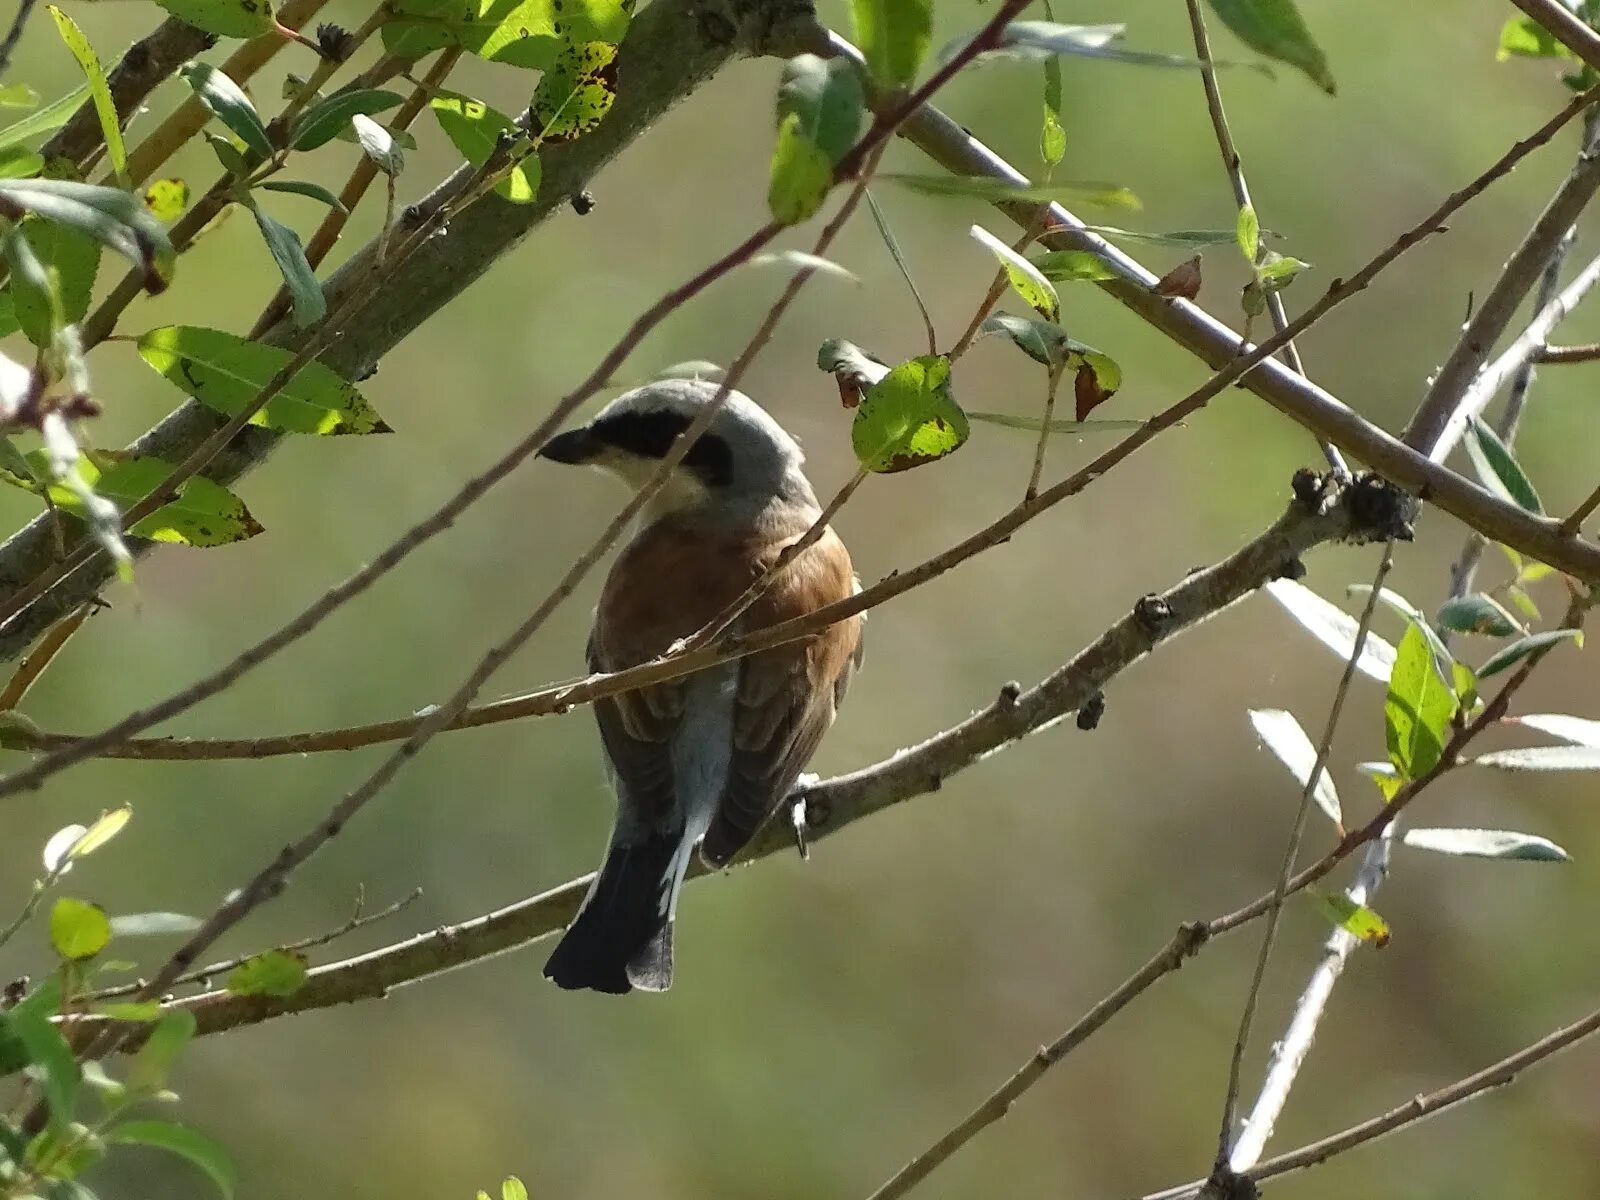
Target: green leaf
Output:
[(1486, 843), (575, 93), (1334, 628), (1185, 238), (1031, 41), (513, 1189), (474, 129), (153, 924), (270, 973), (112, 217), (1577, 730), (29, 1022), (1277, 271), (1052, 134), (826, 96), (106, 827), (228, 155), (1418, 708), (227, 102), (1383, 774), (78, 929), (1061, 266), (521, 33), (143, 1011), (182, 1141), (152, 1066), (1282, 734), (800, 260), (1097, 377), (1248, 234), (1355, 919), (1276, 29), (327, 119), (801, 175), (225, 18), (18, 95), (1408, 610), (1032, 424), (17, 162), (166, 199), (1025, 278), (1043, 341), (1522, 647), (1543, 758), (1497, 468), (894, 36), (996, 191), (104, 106), (45, 120), (70, 258), (35, 293), (909, 418), (204, 513), (1477, 613), (297, 187), (226, 373), (378, 144), (310, 306), (1523, 37)]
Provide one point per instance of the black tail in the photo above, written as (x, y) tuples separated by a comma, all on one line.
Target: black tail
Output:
[(622, 937)]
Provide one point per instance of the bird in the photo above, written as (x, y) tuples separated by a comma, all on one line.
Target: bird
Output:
[(708, 758)]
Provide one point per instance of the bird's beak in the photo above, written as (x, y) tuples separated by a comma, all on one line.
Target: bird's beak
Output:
[(574, 446)]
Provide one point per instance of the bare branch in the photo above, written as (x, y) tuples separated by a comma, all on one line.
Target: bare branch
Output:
[(1568, 354)]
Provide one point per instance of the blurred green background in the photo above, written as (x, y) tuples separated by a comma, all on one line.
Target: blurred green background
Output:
[(832, 1018)]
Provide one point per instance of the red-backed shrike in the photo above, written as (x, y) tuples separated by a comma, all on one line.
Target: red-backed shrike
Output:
[(708, 758)]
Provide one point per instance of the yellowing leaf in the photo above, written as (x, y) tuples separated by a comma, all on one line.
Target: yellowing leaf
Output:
[(1355, 919), (78, 929), (909, 418), (167, 198), (1026, 279)]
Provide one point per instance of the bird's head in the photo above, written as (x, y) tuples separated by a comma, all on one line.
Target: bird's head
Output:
[(743, 464)]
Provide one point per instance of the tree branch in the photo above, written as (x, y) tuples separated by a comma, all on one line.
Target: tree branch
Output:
[(830, 806), (1567, 27)]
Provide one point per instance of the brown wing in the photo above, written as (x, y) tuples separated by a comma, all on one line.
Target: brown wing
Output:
[(787, 696)]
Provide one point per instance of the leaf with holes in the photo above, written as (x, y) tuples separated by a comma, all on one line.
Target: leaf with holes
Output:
[(894, 36), (225, 18), (909, 418), (800, 177), (226, 373), (576, 93), (1276, 29), (99, 91), (1485, 843), (1282, 734), (1025, 278), (520, 33), (166, 199), (474, 129), (1418, 708)]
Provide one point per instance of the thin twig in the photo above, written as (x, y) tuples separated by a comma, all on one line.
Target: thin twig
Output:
[(358, 919), (1234, 167), (1291, 853), (14, 34), (899, 257), (41, 656), (1051, 387), (1438, 411), (1581, 514), (1568, 354)]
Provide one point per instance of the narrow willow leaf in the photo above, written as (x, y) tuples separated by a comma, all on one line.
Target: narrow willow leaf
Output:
[(328, 118), (112, 217), (166, 199), (78, 929), (995, 191), (474, 129), (1248, 234), (1198, 238), (1355, 919), (1060, 266), (45, 120), (35, 292), (106, 827), (1418, 708), (71, 259), (150, 1068), (18, 162), (1282, 734), (1477, 613), (44, 1047), (227, 102), (297, 187), (1031, 41), (18, 95), (1025, 278), (153, 924), (195, 1148), (513, 1189), (1276, 29), (909, 418), (1043, 341), (1394, 600), (378, 144), (1334, 628), (1498, 469), (894, 36), (1522, 647), (1543, 758), (800, 176), (575, 93), (1060, 425), (1486, 843), (142, 1011), (1577, 730), (799, 260), (104, 106), (225, 18), (826, 94), (59, 847), (1277, 271), (270, 973), (310, 306), (226, 373)]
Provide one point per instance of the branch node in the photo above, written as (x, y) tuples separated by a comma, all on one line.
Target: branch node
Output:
[(582, 202), (1292, 568), (1154, 614), (1010, 693), (1092, 710), (1310, 488), (1379, 510)]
